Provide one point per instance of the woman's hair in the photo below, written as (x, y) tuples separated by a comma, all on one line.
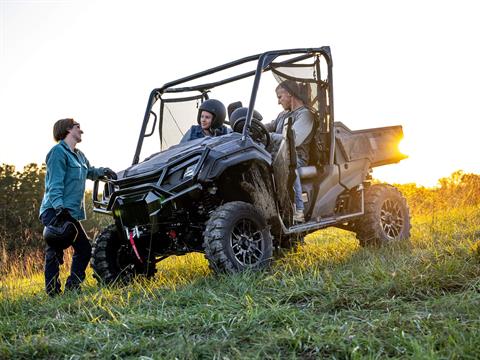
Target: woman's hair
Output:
[(61, 127)]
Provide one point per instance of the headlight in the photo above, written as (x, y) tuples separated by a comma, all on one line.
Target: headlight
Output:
[(189, 171), (181, 172)]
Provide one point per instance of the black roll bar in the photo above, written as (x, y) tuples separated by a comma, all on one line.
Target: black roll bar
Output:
[(264, 61)]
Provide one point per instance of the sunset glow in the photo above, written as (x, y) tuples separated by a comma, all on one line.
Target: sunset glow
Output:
[(102, 74)]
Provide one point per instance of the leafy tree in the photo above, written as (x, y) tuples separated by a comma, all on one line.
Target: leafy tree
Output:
[(458, 190), (21, 194)]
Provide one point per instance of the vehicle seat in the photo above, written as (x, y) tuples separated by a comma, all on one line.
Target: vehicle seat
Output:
[(230, 109), (317, 151)]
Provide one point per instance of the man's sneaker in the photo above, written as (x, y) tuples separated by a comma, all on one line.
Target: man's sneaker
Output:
[(299, 216)]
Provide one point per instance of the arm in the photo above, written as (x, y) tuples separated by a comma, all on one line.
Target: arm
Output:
[(186, 137), (93, 173), (279, 121), (270, 126), (56, 169)]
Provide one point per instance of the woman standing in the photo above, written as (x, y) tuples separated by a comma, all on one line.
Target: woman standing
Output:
[(63, 201)]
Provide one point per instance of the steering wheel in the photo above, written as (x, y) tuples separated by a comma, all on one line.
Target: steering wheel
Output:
[(257, 131)]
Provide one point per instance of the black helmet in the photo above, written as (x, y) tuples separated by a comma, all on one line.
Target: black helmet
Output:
[(241, 113), (60, 234), (217, 109)]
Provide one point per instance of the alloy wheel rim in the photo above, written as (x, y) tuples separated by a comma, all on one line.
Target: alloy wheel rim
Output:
[(246, 241), (391, 219)]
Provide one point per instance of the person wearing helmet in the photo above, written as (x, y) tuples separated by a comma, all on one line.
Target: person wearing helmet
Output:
[(292, 96), (62, 206), (210, 119)]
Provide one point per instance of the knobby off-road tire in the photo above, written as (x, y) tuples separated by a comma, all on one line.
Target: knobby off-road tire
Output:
[(386, 219), (112, 259), (237, 238)]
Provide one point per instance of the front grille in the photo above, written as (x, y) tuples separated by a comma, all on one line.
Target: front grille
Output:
[(135, 181), (133, 214)]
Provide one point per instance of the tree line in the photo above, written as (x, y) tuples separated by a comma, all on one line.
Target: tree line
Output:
[(460, 189), (21, 194)]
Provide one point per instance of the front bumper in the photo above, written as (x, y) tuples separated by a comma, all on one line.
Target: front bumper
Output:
[(154, 188)]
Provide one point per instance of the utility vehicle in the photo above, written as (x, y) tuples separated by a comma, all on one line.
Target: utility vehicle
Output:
[(231, 197)]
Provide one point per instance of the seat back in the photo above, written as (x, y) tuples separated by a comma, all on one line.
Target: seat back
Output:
[(318, 154)]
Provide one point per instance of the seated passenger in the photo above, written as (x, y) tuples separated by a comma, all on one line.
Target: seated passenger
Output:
[(211, 115), (292, 97)]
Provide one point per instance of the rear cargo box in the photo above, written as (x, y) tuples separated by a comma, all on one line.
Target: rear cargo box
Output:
[(379, 145)]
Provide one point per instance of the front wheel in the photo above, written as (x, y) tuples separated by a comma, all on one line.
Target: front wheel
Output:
[(237, 238), (113, 260), (386, 219)]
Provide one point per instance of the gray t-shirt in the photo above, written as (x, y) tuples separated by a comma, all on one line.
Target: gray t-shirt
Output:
[(302, 124)]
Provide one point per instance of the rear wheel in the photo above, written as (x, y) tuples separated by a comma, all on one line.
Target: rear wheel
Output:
[(237, 238), (386, 219), (114, 261)]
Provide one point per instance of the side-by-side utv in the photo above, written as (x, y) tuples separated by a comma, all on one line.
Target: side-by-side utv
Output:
[(231, 196)]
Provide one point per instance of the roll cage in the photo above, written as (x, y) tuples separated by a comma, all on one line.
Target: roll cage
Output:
[(322, 104)]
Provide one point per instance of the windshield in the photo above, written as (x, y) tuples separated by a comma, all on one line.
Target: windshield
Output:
[(174, 110), (308, 81), (178, 118)]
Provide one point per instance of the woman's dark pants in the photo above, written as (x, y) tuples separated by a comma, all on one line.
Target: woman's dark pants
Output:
[(54, 258)]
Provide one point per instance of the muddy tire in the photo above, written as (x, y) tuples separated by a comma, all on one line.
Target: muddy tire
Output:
[(237, 238), (113, 260), (386, 219)]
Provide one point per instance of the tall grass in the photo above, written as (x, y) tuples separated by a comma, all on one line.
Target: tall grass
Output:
[(330, 298)]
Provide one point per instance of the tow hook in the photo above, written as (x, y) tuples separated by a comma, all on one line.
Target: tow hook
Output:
[(172, 234), (131, 235)]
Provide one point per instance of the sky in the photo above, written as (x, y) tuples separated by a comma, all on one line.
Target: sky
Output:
[(409, 63)]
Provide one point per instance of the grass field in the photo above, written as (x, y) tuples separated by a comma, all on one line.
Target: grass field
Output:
[(330, 298)]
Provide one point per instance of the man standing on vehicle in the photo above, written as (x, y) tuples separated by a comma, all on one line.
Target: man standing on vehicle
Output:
[(292, 97), (63, 201)]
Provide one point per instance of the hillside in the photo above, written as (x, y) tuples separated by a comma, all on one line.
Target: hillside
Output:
[(328, 299)]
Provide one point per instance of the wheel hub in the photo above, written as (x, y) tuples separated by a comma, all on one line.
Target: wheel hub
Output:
[(247, 242), (391, 219)]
